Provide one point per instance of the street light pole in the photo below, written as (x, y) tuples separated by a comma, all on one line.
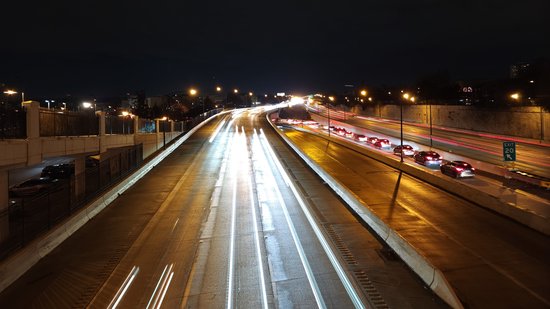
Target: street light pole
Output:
[(401, 112), (431, 132)]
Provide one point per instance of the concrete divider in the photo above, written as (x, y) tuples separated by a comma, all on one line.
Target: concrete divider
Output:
[(16, 265), (432, 276)]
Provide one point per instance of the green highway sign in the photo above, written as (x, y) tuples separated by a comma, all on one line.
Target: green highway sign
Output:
[(509, 151)]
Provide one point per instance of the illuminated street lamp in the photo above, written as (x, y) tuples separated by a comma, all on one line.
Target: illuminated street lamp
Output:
[(363, 93), (331, 98), (250, 93), (235, 91), (86, 104), (192, 91), (218, 88), (515, 96), (9, 93)]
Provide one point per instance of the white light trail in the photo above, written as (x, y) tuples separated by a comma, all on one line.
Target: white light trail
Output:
[(257, 236), (123, 288), (235, 156), (301, 253), (218, 128), (354, 296), (164, 282)]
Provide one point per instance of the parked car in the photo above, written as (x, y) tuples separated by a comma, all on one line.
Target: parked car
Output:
[(361, 137), (58, 171), (428, 158), (407, 150), (458, 169), (382, 143), (372, 140), (32, 186)]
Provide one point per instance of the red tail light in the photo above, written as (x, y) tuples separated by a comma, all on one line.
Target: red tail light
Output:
[(428, 158), (459, 169)]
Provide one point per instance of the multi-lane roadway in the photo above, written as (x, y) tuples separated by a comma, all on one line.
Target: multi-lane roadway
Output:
[(232, 218)]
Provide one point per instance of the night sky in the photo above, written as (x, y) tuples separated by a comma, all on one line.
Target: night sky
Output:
[(113, 47)]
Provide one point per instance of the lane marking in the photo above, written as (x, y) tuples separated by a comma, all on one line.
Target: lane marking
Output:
[(346, 281), (123, 288)]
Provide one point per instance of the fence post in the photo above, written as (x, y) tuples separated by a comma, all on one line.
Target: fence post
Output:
[(102, 138), (34, 151), (4, 205)]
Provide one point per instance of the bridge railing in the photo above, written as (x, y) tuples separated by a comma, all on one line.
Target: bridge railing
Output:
[(65, 123), (119, 124), (12, 123)]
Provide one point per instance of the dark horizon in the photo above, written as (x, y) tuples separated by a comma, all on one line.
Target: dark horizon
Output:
[(107, 49)]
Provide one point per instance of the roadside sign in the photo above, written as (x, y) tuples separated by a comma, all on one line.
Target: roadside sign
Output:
[(509, 151)]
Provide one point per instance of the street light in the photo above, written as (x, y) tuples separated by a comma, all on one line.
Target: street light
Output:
[(331, 98), (218, 89), (9, 93), (235, 91)]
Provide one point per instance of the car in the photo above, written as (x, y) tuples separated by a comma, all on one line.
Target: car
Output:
[(382, 143), (428, 158), (360, 137), (407, 150), (341, 131), (372, 140), (458, 169), (32, 186), (58, 171), (350, 134)]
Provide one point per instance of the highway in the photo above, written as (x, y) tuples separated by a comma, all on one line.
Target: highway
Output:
[(232, 218), (491, 261), (480, 146)]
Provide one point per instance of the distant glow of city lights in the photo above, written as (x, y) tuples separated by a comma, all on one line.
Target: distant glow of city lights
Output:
[(296, 100), (86, 104)]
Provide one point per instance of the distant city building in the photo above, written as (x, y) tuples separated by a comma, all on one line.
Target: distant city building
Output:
[(159, 101), (519, 70)]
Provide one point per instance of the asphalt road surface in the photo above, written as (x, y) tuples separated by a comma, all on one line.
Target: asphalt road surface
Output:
[(231, 219)]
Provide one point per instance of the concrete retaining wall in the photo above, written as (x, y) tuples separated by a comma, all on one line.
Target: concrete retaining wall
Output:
[(528, 122)]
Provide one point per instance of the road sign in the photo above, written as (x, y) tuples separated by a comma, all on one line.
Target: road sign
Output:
[(509, 151)]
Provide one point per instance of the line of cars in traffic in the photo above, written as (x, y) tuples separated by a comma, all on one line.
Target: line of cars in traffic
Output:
[(456, 169)]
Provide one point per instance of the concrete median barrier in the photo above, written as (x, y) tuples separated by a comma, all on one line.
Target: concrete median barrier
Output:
[(432, 276)]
